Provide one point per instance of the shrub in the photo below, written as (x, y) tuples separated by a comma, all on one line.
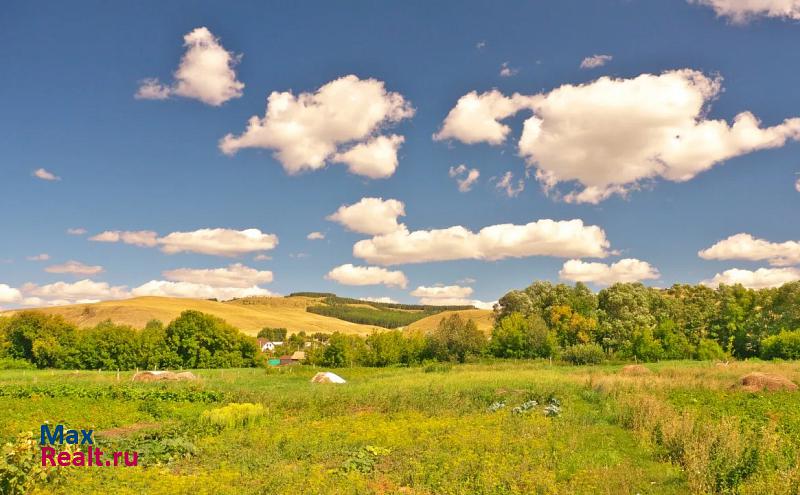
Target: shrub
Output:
[(710, 350), (21, 469), (584, 354), (233, 415), (15, 364), (785, 345)]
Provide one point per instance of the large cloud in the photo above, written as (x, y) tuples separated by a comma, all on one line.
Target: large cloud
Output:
[(370, 216), (307, 130), (746, 247), (449, 295), (625, 270), (758, 279), (142, 238), (367, 275), (568, 238), (165, 288), (476, 117), (205, 73), (220, 242), (77, 292), (75, 268), (610, 135), (236, 275), (9, 294), (740, 11)]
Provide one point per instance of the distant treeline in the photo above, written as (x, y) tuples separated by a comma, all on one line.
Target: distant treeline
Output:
[(385, 315), (193, 340)]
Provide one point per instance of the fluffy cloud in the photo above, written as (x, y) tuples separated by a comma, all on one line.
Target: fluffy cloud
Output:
[(81, 291), (376, 159), (450, 295), (611, 134), (372, 216), (165, 288), (9, 294), (43, 174), (746, 247), (797, 185), (75, 268), (475, 118), (465, 178), (507, 71), (506, 184), (39, 257), (306, 130), (315, 236), (384, 299), (76, 231), (541, 238), (758, 279), (626, 270), (740, 11), (595, 61), (236, 276), (142, 238), (205, 73), (367, 275), (219, 242)]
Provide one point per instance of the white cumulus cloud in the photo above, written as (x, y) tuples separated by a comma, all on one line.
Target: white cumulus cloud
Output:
[(476, 117), (219, 242), (315, 236), (382, 299), (9, 294), (307, 130), (746, 247), (206, 73), (43, 174), (465, 178), (741, 11), (236, 275), (449, 295), (76, 231), (370, 216), (367, 275), (758, 279), (164, 288), (595, 61), (568, 238), (141, 238), (625, 270), (75, 268), (81, 291), (39, 257)]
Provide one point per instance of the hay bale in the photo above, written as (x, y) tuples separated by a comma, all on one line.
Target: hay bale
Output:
[(758, 382), (635, 369), (327, 377), (154, 376)]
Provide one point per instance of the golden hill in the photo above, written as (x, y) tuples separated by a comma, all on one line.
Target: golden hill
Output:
[(482, 317), (249, 315)]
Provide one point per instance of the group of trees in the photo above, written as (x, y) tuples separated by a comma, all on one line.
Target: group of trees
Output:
[(193, 340), (379, 314), (631, 321)]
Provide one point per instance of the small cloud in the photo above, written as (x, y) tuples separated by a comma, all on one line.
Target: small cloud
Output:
[(39, 257), (797, 185), (465, 178), (262, 257), (506, 71), (506, 184), (480, 45), (299, 256), (75, 268), (315, 236), (76, 231), (466, 281), (45, 174), (595, 61)]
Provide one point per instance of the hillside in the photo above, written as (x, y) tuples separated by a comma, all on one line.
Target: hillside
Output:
[(249, 315), (482, 317)]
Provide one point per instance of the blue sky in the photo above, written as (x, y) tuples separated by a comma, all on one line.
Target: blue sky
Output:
[(123, 164)]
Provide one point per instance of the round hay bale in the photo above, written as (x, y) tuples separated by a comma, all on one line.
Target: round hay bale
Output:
[(185, 375), (635, 369), (758, 382)]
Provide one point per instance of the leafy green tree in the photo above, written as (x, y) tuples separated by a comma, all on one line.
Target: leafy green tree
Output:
[(785, 345), (710, 350), (624, 310), (46, 341), (516, 336), (205, 341), (343, 351), (455, 339), (273, 334)]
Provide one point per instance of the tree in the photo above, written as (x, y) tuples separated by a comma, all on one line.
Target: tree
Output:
[(456, 339), (623, 310), (273, 334), (46, 341), (516, 336), (205, 341)]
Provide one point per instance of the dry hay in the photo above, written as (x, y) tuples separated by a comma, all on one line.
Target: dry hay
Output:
[(327, 377), (635, 369), (757, 382), (154, 376)]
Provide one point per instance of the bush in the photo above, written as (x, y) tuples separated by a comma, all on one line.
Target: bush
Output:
[(15, 364), (21, 469), (584, 354), (785, 345), (233, 415), (710, 350)]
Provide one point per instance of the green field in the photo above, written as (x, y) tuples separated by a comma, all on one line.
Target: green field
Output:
[(684, 427)]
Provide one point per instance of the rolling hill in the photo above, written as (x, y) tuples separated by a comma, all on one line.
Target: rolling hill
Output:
[(483, 318), (249, 314)]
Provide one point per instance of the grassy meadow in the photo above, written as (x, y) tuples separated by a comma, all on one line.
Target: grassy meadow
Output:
[(682, 427)]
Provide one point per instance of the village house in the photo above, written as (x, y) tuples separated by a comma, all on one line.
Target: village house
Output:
[(267, 345)]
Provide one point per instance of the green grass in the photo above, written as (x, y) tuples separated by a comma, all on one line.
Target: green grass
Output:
[(407, 431)]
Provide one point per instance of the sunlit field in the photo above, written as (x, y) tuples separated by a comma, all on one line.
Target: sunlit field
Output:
[(493, 428)]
